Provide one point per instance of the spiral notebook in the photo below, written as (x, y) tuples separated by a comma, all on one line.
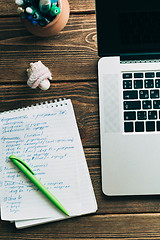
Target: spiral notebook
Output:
[(46, 137)]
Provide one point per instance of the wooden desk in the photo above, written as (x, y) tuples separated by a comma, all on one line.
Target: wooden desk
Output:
[(72, 58)]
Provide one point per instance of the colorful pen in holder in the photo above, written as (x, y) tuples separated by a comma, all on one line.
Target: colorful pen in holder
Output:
[(44, 17)]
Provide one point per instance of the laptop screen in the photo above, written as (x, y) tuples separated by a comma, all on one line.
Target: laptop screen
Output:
[(128, 27)]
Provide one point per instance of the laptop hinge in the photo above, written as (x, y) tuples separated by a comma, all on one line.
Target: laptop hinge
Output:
[(140, 56)]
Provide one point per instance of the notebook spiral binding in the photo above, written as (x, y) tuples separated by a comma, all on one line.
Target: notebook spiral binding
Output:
[(52, 103)]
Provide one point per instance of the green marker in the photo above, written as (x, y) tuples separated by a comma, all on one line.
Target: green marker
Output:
[(30, 174), (55, 10)]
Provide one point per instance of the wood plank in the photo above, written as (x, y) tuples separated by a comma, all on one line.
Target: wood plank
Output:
[(74, 46), (108, 226), (84, 96), (10, 8)]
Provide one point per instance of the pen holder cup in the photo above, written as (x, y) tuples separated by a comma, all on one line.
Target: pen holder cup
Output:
[(58, 23)]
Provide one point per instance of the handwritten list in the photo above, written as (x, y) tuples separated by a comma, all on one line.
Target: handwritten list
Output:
[(48, 147), (46, 137)]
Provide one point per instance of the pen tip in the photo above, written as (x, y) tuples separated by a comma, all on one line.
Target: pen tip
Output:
[(66, 213)]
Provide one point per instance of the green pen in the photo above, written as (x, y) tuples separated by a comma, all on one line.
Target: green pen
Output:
[(55, 10), (30, 174)]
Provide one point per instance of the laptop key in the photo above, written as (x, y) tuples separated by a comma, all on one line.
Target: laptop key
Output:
[(127, 84), (138, 75), (150, 126), (130, 115), (158, 125), (149, 75), (127, 75), (157, 83), (132, 105), (142, 115), (143, 94), (154, 94), (139, 126), (128, 127), (147, 104), (157, 74), (148, 83), (156, 104), (138, 84), (130, 94), (152, 115)]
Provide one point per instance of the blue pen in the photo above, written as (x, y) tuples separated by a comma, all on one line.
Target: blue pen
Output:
[(34, 22), (31, 20)]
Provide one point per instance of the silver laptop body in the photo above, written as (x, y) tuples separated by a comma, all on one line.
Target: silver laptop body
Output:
[(129, 95), (130, 160)]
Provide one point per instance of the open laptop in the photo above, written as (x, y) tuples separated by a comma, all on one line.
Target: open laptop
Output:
[(129, 96)]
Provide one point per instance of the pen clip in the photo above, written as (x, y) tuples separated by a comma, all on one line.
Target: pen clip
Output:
[(13, 157)]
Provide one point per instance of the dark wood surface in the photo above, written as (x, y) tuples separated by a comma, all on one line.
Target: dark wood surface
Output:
[(72, 58)]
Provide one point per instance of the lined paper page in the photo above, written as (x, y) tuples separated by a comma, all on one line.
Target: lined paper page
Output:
[(47, 142), (84, 185)]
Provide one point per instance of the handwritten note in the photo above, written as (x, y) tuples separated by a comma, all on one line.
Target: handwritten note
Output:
[(45, 138)]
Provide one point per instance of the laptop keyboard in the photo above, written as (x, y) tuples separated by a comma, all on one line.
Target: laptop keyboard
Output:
[(141, 101)]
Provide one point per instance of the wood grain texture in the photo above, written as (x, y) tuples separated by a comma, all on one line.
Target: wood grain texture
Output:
[(117, 226), (9, 8), (84, 97), (75, 46), (72, 58)]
